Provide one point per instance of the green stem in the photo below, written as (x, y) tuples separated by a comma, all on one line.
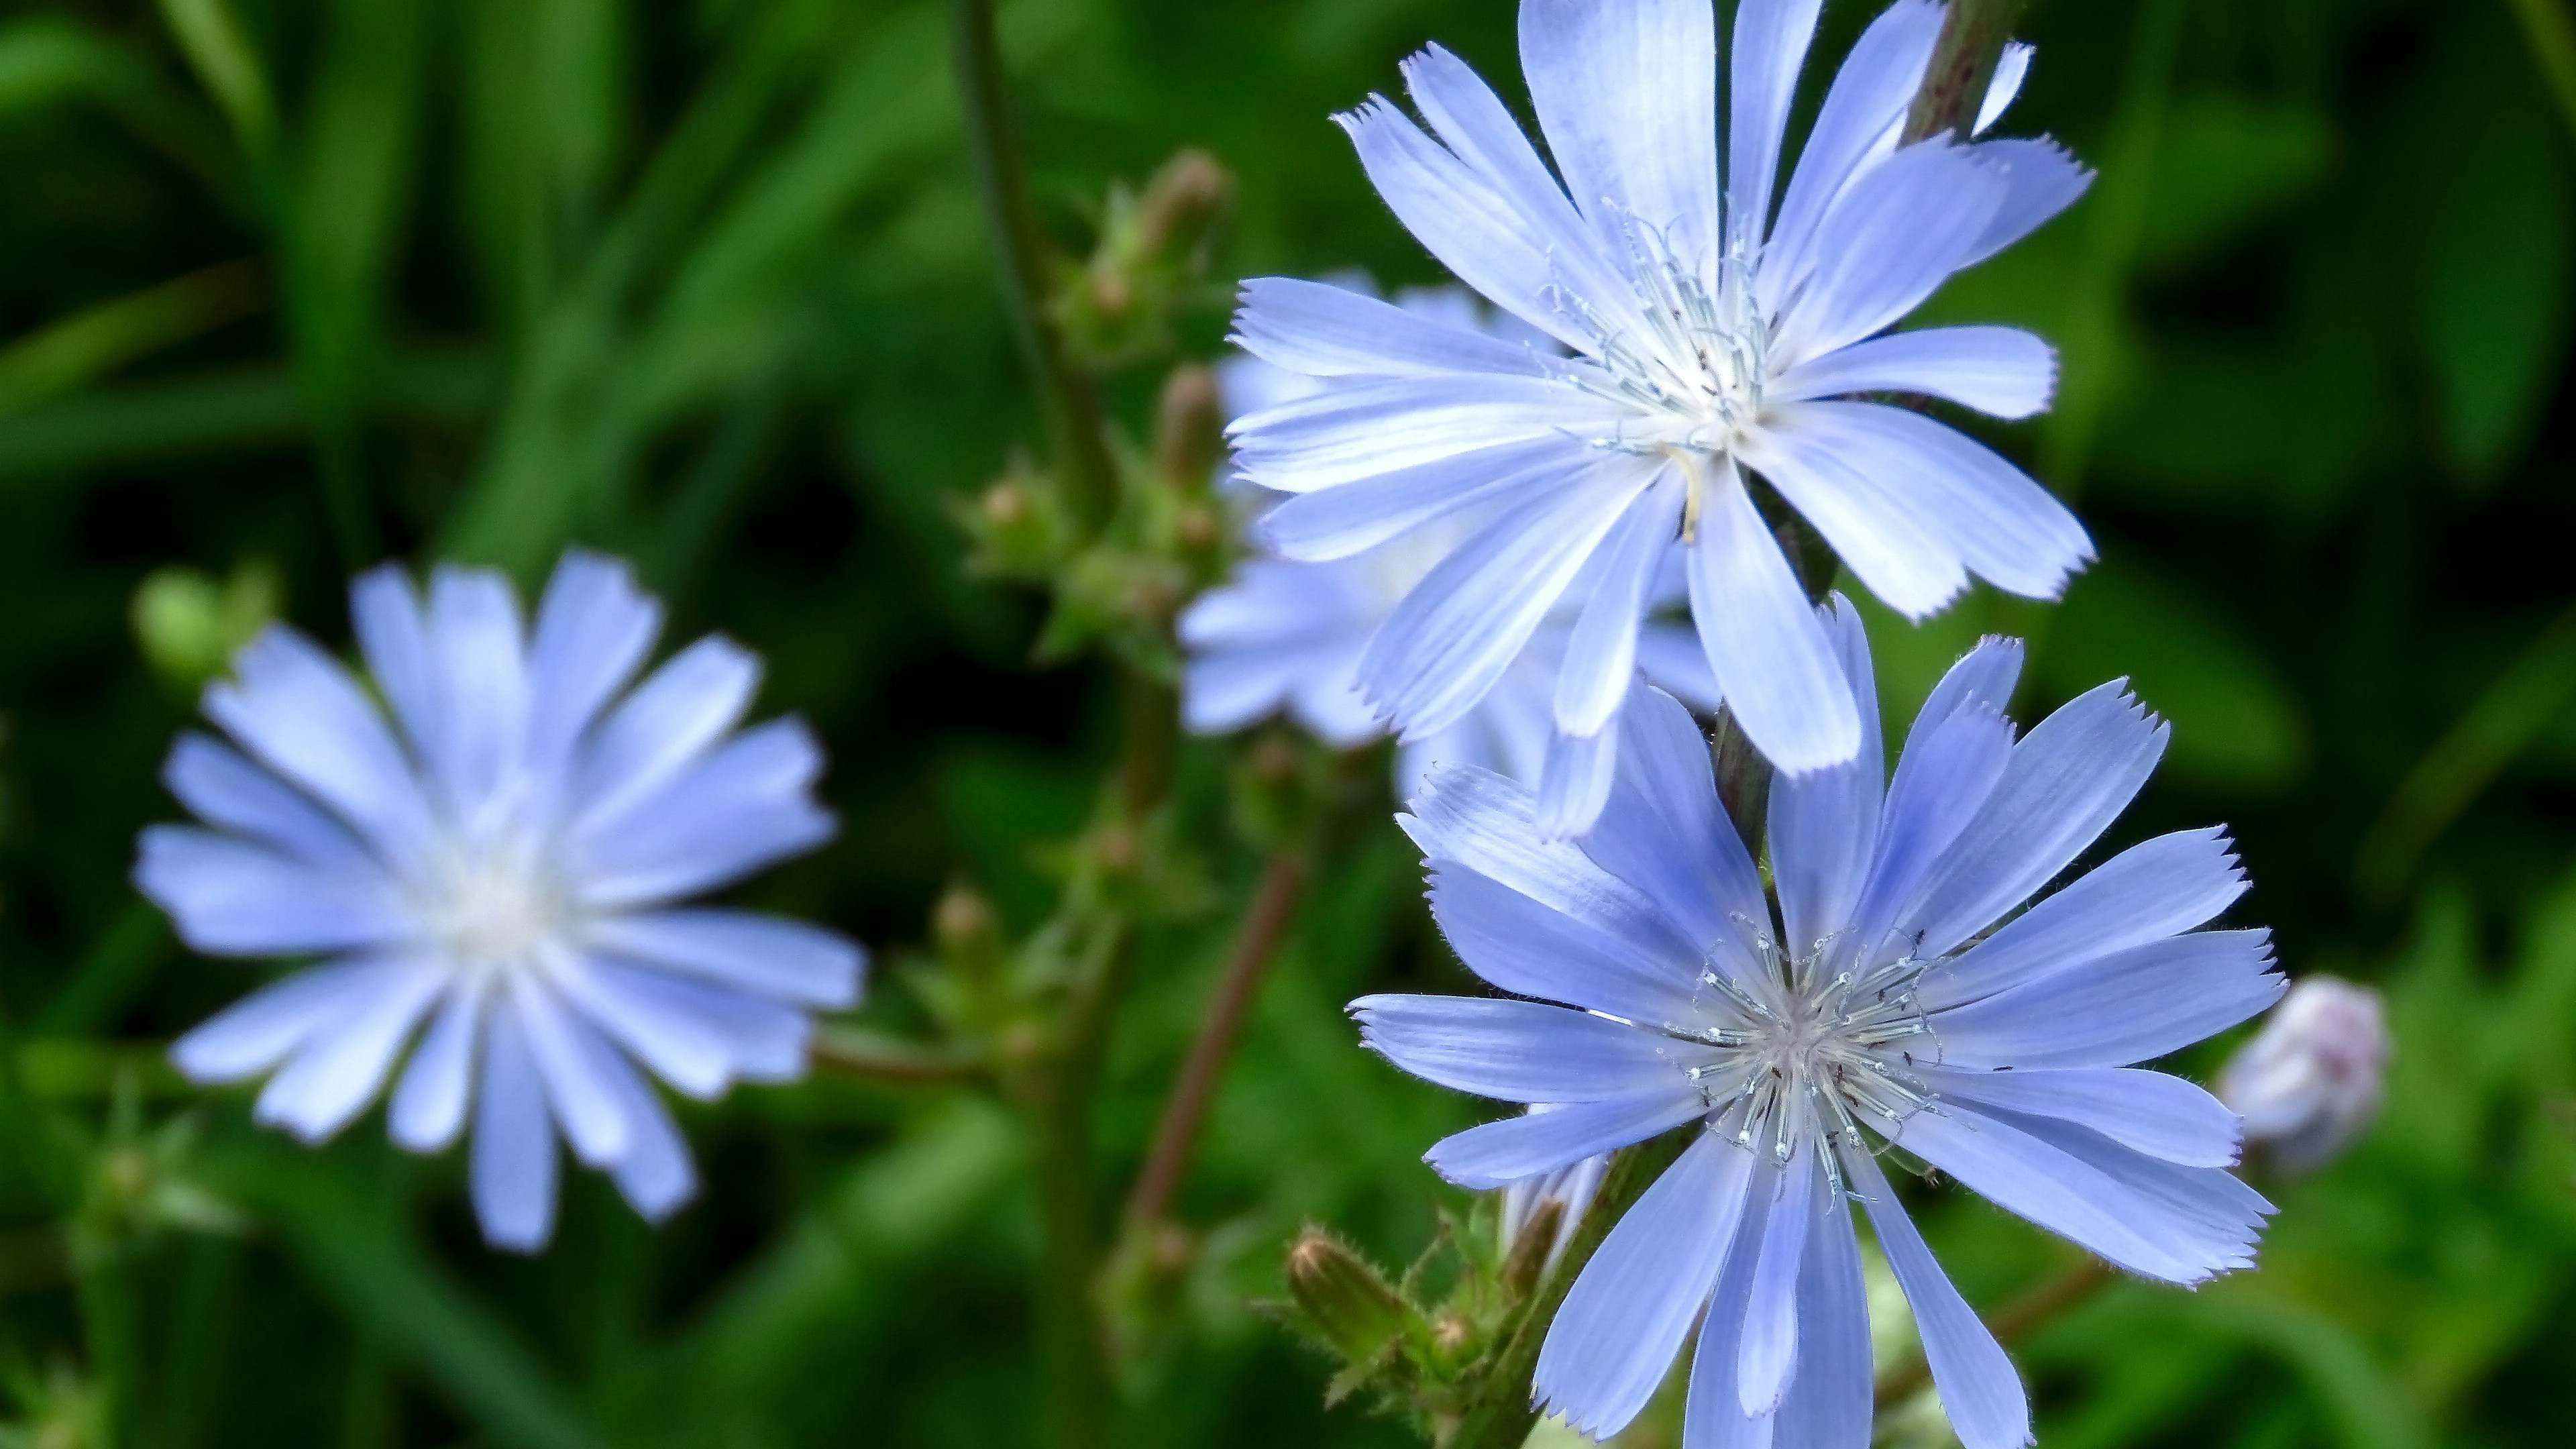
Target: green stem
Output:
[(1072, 404), (1963, 61), (109, 1334)]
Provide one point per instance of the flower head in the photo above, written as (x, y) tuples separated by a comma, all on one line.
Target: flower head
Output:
[(1902, 994), (1286, 635), (503, 861), (2312, 1080), (1707, 334)]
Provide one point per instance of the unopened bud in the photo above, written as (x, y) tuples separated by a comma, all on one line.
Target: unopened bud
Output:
[(962, 922), (1183, 199), (189, 624), (2311, 1081), (1005, 504), (1569, 1189), (1343, 1298), (1189, 427)]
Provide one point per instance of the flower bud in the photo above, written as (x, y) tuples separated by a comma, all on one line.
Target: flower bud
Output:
[(2311, 1080), (189, 624), (1569, 1188), (1347, 1302)]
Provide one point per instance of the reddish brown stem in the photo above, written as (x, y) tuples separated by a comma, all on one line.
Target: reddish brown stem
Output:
[(2013, 1321), (1265, 924)]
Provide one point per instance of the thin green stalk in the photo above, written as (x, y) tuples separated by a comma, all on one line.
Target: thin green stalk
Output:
[(2552, 38), (1081, 451)]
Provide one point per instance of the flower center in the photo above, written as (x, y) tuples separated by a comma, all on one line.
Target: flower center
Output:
[(496, 906), (1693, 375), (1805, 1054)]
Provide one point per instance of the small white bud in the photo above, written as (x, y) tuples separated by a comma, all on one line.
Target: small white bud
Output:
[(2312, 1079)]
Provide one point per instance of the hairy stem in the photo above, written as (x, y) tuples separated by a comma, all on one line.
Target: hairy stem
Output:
[(1963, 61), (1072, 403), (1265, 925)]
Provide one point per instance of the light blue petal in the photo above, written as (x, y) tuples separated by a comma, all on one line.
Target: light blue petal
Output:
[(1501, 1153), (1635, 1301), (655, 1175), (764, 955), (429, 1103), (1982, 677), (1770, 46), (1321, 330), (478, 656), (1766, 1360), (674, 1044), (2003, 372), (594, 628), (765, 1041), (1664, 833), (514, 1160), (1471, 616), (1940, 782), (229, 897), (1477, 232), (2040, 181), (384, 610), (1338, 522), (340, 1066), (1879, 526), (1710, 1416), (1530, 950), (1601, 657), (255, 1033), (1672, 661), (1980, 1392), (571, 1060), (1488, 824), (1574, 782), (1473, 122), (2152, 890), (1824, 824), (2153, 1220), (229, 791), (2009, 531), (743, 807), (2129, 1006), (1857, 125), (1888, 242), (1829, 1402), (1770, 655), (1521, 1051), (1627, 96), (2069, 778), (302, 716), (2012, 66), (1368, 427), (2162, 1116), (674, 717)]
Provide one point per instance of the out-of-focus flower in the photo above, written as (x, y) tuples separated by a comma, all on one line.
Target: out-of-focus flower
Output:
[(1896, 1007), (1707, 332), (2311, 1080), (1281, 635), (504, 862)]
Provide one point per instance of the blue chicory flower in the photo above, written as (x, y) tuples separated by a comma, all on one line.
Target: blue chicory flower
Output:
[(1705, 332), (504, 863), (1282, 635), (1898, 995)]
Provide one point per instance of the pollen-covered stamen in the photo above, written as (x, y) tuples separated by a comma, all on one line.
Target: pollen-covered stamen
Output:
[(1692, 376), (1806, 1051)]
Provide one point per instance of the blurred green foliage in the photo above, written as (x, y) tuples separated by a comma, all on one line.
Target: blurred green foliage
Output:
[(290, 283)]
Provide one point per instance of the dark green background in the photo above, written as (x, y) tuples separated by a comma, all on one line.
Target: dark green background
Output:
[(705, 284)]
